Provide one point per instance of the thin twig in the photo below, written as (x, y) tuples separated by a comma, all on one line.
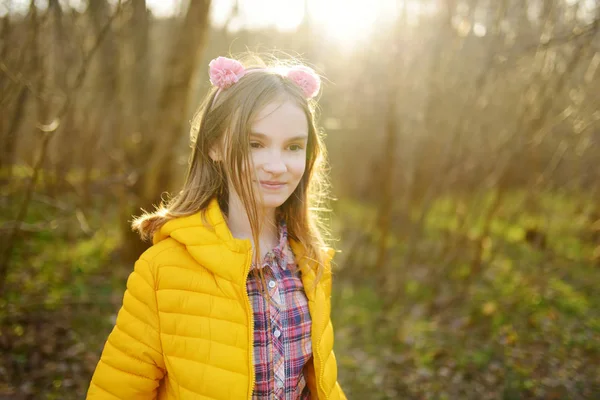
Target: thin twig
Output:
[(18, 79), (505, 60), (577, 33)]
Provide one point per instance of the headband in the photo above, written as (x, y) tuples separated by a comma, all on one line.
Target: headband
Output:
[(224, 72)]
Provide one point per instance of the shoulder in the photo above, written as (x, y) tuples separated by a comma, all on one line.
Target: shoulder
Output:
[(328, 254), (166, 253), (167, 261), (162, 250)]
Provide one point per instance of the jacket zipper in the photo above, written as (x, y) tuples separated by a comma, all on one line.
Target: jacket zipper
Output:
[(250, 329)]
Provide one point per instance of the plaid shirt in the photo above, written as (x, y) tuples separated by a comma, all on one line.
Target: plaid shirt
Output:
[(281, 352)]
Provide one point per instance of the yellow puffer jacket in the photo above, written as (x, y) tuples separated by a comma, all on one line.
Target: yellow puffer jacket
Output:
[(185, 328)]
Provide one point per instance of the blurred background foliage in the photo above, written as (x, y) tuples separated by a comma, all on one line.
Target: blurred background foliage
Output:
[(464, 142)]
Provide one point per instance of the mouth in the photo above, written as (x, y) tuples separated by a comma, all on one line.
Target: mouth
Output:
[(272, 185)]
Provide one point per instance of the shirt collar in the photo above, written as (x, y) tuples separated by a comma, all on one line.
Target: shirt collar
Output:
[(279, 254)]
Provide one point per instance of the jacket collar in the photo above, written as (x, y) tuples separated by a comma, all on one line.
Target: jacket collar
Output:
[(209, 241)]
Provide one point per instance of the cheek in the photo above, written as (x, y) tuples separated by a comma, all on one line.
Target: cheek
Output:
[(258, 159), (261, 157), (298, 166)]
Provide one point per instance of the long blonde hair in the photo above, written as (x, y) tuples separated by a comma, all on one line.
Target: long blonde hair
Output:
[(226, 124)]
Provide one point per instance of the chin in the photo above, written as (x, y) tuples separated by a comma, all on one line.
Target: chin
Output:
[(274, 200)]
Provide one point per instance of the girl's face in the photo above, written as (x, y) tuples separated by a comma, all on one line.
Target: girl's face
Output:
[(278, 140)]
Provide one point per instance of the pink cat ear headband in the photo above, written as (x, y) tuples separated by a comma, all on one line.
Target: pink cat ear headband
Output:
[(224, 72)]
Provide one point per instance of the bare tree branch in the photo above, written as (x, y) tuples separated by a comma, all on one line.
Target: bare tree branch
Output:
[(47, 133)]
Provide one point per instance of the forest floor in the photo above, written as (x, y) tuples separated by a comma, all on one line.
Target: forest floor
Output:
[(525, 325)]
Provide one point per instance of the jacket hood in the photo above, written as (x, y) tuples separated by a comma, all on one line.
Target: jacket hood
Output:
[(209, 241)]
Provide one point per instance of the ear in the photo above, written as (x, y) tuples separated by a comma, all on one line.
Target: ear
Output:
[(215, 154)]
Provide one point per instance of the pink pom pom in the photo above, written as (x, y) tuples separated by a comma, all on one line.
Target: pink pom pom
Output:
[(224, 72), (306, 78)]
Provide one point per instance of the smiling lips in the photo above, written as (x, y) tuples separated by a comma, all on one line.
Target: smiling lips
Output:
[(273, 185)]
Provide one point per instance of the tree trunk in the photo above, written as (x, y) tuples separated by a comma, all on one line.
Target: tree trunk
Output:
[(168, 123), (104, 128), (137, 143)]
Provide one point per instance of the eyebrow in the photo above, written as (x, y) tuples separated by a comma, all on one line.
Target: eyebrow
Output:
[(293, 139)]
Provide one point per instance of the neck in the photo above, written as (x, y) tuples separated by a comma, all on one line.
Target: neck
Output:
[(239, 225)]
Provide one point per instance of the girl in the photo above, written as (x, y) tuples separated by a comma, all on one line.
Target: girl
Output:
[(232, 301)]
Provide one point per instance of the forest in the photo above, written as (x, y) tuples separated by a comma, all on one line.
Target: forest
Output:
[(464, 152)]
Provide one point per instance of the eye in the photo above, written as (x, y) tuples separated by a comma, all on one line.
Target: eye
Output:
[(296, 147), (255, 145)]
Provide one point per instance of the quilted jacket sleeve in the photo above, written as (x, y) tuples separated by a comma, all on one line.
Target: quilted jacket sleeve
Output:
[(339, 393), (311, 382), (132, 365)]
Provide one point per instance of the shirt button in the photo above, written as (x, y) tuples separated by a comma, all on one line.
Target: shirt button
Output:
[(272, 284), (277, 333), (279, 384)]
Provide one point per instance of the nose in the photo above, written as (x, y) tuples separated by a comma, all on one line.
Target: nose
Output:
[(274, 164)]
